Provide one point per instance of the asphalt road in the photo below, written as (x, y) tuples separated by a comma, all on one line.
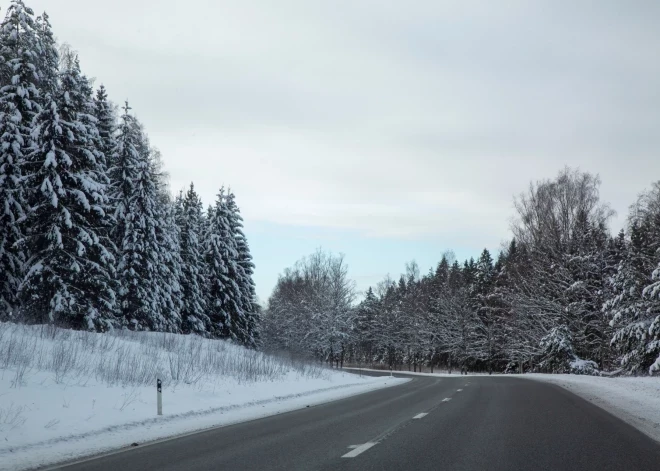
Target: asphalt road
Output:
[(471, 423)]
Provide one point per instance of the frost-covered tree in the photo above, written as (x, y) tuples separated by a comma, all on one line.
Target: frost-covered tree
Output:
[(19, 102), (311, 308), (244, 273), (139, 223), (47, 57), (634, 307), (170, 266), (365, 325), (70, 268), (219, 254), (168, 282), (190, 221), (488, 311), (106, 124)]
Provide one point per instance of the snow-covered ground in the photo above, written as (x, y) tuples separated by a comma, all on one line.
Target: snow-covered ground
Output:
[(66, 394), (634, 400)]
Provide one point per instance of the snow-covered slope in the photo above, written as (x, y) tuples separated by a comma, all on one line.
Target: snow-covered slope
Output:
[(65, 394)]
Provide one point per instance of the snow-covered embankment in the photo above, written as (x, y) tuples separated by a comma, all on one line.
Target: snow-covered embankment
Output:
[(66, 394)]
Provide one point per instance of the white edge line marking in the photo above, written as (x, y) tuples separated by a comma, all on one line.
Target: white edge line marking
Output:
[(458, 390), (420, 415), (446, 399), (353, 446), (359, 449)]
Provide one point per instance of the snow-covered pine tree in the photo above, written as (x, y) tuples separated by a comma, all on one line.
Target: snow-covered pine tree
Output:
[(18, 105), (168, 283), (635, 308), (489, 328), (70, 270), (170, 267), (223, 303), (190, 220), (138, 223), (244, 273), (633, 313), (47, 57)]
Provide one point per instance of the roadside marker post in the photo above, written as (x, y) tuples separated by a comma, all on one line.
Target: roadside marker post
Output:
[(159, 389)]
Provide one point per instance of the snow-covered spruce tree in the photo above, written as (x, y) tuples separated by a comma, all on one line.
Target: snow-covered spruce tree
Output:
[(18, 105), (170, 267), (635, 307), (559, 354), (70, 270), (105, 123), (47, 57), (190, 221), (224, 294), (244, 273), (169, 272), (138, 223), (488, 311)]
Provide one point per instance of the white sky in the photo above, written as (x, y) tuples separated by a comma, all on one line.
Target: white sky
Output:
[(391, 120)]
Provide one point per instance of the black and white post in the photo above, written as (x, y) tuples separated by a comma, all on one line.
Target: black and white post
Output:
[(159, 388)]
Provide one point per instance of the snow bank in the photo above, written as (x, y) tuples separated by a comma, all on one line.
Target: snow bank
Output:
[(633, 400), (66, 394), (438, 373)]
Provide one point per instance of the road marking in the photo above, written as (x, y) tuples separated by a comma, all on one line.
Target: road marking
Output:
[(359, 449), (419, 416), (458, 390), (353, 446), (446, 399)]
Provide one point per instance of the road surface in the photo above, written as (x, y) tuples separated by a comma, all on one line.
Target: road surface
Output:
[(463, 423)]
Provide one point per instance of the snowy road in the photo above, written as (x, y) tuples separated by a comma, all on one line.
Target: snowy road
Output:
[(458, 423)]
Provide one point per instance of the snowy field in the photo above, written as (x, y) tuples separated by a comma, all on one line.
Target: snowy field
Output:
[(66, 394)]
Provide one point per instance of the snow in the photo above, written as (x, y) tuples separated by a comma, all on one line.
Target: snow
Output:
[(65, 394), (635, 400), (439, 373)]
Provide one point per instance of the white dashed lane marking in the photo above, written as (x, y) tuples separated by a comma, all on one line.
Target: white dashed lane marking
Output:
[(357, 449)]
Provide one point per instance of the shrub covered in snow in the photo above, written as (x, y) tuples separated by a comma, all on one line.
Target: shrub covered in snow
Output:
[(584, 367), (127, 358), (559, 355)]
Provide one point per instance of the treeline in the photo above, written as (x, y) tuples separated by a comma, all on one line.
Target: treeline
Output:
[(89, 235), (563, 295)]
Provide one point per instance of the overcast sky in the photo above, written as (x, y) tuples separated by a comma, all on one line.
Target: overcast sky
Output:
[(387, 130)]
